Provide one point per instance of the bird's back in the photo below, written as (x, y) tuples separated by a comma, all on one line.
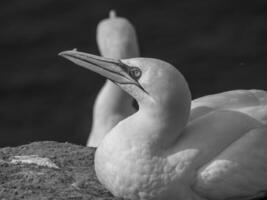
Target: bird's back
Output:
[(236, 164), (249, 102)]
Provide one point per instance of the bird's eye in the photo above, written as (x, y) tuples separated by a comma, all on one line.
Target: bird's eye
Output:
[(135, 72)]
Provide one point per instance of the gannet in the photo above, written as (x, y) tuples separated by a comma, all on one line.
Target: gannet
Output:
[(116, 38), (213, 148)]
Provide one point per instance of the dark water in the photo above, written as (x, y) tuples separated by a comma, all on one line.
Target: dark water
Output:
[(217, 44)]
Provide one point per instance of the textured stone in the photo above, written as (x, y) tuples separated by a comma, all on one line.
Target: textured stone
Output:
[(74, 179)]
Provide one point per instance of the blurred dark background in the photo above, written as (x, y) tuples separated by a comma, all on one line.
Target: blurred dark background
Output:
[(217, 44)]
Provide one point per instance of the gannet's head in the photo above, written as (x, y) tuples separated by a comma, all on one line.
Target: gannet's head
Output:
[(155, 84), (116, 37)]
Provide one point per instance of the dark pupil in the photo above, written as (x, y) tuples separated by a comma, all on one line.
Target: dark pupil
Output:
[(135, 72)]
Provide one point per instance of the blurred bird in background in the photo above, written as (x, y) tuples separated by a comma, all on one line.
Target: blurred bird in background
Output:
[(116, 38)]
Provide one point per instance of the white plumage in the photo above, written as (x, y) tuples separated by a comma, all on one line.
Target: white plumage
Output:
[(213, 148)]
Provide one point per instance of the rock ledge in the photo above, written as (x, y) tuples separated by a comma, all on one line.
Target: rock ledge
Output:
[(74, 179)]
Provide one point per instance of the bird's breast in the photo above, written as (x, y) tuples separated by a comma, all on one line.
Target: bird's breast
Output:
[(133, 173)]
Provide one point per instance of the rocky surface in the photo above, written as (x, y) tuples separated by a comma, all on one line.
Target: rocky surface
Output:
[(67, 174), (74, 179)]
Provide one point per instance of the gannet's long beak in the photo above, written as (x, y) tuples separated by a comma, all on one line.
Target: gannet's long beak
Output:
[(112, 69)]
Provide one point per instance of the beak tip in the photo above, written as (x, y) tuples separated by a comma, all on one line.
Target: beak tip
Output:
[(65, 53), (60, 54)]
